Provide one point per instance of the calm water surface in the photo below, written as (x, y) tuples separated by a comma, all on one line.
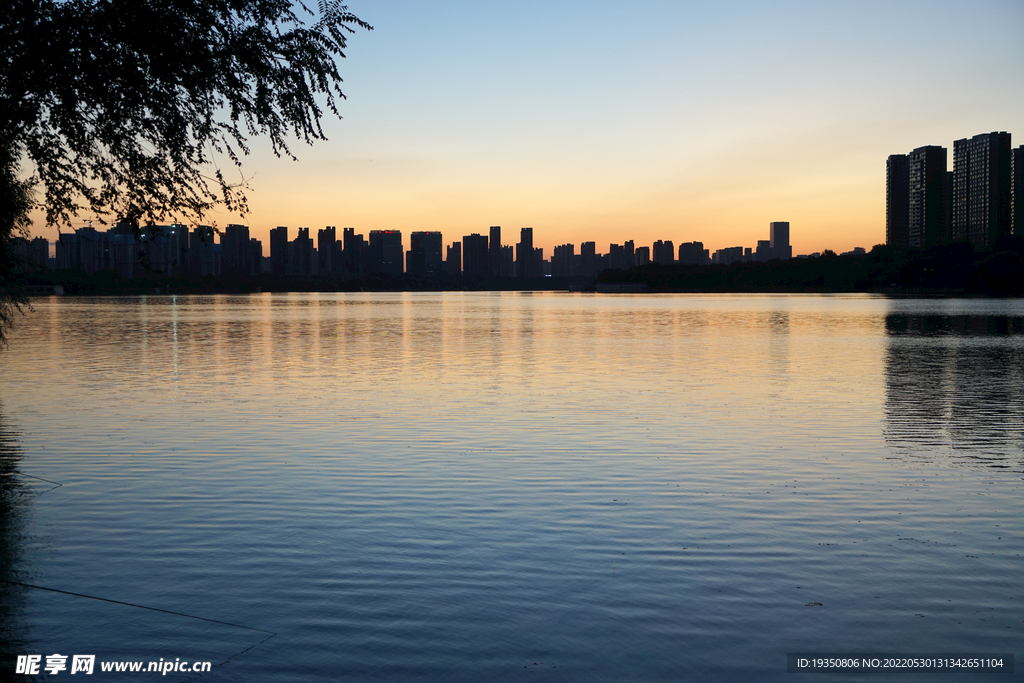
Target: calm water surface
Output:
[(512, 486)]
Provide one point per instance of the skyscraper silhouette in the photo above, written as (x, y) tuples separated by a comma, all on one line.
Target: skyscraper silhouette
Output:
[(424, 255), (279, 250), (494, 251), (779, 235), (524, 254), (897, 201), (474, 255), (982, 187)]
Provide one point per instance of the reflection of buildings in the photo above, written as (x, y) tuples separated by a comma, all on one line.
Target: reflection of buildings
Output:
[(957, 383)]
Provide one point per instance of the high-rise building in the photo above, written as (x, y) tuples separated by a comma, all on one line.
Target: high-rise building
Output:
[(205, 255), (587, 264), (982, 188), (692, 253), (1018, 191), (279, 250), (424, 255), (643, 255), (525, 258), (728, 255), (354, 253), (663, 252), (494, 251), (508, 261), (763, 251), (474, 255), (779, 235), (927, 213), (126, 248), (562, 261), (34, 255), (236, 252), (301, 257), (385, 252), (453, 262), (897, 201), (256, 256), (325, 250), (618, 258)]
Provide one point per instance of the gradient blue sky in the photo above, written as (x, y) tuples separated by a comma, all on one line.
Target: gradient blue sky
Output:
[(652, 120)]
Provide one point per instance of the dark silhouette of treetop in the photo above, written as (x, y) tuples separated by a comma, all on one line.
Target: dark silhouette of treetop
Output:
[(125, 107)]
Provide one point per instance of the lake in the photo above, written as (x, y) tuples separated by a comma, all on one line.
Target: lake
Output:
[(512, 486)]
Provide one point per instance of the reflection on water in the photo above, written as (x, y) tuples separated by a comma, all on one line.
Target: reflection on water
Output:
[(513, 486), (955, 388)]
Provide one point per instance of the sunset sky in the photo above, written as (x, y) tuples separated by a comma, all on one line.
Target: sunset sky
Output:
[(649, 120)]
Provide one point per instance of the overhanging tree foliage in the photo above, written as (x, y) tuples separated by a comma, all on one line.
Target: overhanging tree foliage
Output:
[(126, 108)]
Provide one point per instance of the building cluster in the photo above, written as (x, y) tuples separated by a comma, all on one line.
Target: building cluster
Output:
[(980, 200), (173, 250), (177, 251)]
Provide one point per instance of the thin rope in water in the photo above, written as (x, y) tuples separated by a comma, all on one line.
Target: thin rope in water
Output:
[(132, 604)]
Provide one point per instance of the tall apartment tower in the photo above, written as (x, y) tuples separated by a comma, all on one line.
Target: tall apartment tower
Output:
[(301, 255), (279, 250), (1018, 191), (494, 252), (982, 187), (235, 250), (927, 210), (453, 262), (325, 250), (354, 252), (508, 261), (424, 255), (525, 266), (691, 253), (474, 255), (897, 201), (562, 261), (587, 265), (663, 252), (778, 235), (385, 252)]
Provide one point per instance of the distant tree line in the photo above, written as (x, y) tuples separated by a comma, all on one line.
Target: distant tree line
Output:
[(956, 268)]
